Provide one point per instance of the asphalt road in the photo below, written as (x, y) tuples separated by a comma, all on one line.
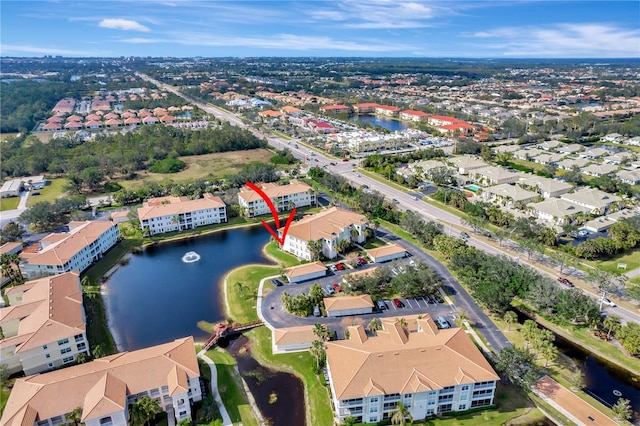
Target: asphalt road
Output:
[(349, 170)]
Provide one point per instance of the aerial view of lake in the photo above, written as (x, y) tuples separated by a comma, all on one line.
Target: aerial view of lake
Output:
[(157, 297), (387, 123)]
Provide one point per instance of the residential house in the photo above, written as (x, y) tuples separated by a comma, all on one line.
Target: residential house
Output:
[(596, 201), (544, 186), (441, 120), (12, 247), (11, 188), (105, 388), (613, 137), (527, 154), (76, 250), (511, 196), (45, 325), (51, 127), (593, 153), (319, 126), (599, 169), (168, 214), (291, 110), (283, 197), (618, 158), (549, 145), (570, 149), (548, 159), (466, 163), (348, 305), (506, 148), (570, 163), (492, 175), (34, 182), (632, 177), (430, 371), (556, 211), (330, 227), (635, 141), (603, 223)]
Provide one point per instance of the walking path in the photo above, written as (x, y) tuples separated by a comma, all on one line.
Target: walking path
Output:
[(569, 404), (633, 273), (226, 420)]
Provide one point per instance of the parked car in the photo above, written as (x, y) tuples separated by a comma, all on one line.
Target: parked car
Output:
[(608, 302), (333, 268), (414, 198), (362, 260), (442, 323), (330, 289), (438, 298), (337, 287), (398, 303), (316, 311), (381, 305), (277, 282), (564, 281), (339, 266)]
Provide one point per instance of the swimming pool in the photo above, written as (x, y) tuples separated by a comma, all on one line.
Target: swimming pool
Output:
[(474, 188)]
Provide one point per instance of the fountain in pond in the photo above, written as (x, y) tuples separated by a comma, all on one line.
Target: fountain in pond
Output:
[(190, 257)]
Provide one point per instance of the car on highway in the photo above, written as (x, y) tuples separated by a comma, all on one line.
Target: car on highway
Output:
[(414, 198), (277, 282), (564, 281), (337, 287), (345, 159), (608, 302), (398, 303), (464, 235), (395, 200), (330, 289), (332, 164), (365, 186)]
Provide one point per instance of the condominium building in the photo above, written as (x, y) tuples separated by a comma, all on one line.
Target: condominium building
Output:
[(105, 388), (284, 197), (430, 371), (329, 227), (168, 214), (76, 250), (596, 201), (44, 324)]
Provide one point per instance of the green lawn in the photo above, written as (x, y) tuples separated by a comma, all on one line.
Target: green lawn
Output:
[(300, 364), (374, 243), (230, 388), (49, 193), (4, 395), (97, 328), (242, 302), (10, 203), (631, 258), (285, 259), (376, 176)]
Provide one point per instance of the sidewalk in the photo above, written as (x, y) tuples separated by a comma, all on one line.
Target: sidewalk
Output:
[(226, 420)]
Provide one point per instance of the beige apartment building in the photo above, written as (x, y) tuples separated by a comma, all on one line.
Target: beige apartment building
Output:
[(168, 214), (430, 371), (105, 388), (330, 227), (284, 197), (76, 250), (44, 326)]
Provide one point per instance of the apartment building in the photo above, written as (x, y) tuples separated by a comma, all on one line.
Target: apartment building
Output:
[(76, 250), (430, 371), (556, 211), (411, 115), (365, 108), (466, 163), (387, 110), (330, 227), (511, 196), (284, 197), (168, 214), (335, 109), (595, 201), (44, 326), (105, 388), (492, 175)]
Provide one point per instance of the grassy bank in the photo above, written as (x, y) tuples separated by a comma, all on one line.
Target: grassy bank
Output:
[(230, 388), (241, 300), (10, 203), (97, 328)]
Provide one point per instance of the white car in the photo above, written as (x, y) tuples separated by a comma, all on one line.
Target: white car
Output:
[(608, 302)]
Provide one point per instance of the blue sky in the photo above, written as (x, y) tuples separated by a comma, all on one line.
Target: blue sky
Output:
[(379, 28)]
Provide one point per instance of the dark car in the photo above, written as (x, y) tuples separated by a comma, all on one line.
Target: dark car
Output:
[(564, 281), (277, 282), (438, 299), (398, 303)]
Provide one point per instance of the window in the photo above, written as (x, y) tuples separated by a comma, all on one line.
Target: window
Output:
[(50, 365), (78, 337), (465, 387), (56, 420), (81, 346), (155, 392), (44, 347), (67, 360), (373, 419), (446, 408), (47, 356), (106, 421), (373, 400), (480, 403), (63, 342), (462, 407), (65, 350)]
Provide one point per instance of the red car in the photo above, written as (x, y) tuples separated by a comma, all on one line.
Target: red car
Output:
[(565, 281), (362, 261), (398, 303), (339, 266), (345, 159), (337, 287)]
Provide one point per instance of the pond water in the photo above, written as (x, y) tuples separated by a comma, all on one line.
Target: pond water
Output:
[(278, 395), (157, 297), (386, 123)]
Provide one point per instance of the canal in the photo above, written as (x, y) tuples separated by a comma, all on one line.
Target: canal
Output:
[(386, 123), (157, 297)]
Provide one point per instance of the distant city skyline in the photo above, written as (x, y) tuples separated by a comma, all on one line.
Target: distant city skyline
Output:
[(349, 28)]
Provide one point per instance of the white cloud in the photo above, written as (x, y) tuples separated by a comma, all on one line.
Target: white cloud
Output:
[(279, 41), (14, 48), (560, 40), (123, 24)]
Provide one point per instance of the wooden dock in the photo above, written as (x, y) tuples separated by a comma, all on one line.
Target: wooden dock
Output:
[(223, 330)]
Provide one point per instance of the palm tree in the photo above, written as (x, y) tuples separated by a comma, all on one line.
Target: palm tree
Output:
[(322, 331), (315, 247), (400, 414), (510, 318), (612, 323), (75, 417), (144, 410), (374, 326), (549, 352), (317, 351), (403, 323)]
